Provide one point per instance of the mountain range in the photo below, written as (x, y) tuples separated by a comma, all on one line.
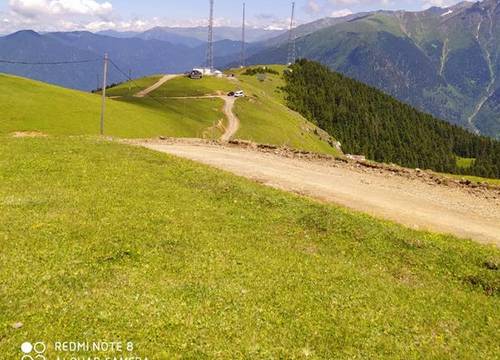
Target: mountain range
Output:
[(195, 36), (443, 61), (140, 57)]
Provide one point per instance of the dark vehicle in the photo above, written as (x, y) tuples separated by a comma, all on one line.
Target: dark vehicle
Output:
[(230, 93), (195, 74)]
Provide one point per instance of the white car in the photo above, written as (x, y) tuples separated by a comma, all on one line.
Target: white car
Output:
[(239, 94)]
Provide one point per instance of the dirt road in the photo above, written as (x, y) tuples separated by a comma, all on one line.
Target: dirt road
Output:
[(233, 124), (411, 202), (233, 121), (155, 86)]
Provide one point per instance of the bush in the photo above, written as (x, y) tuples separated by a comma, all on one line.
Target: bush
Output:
[(260, 70)]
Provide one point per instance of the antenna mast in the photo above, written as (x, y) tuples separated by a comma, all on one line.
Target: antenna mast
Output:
[(291, 38), (242, 62), (210, 48)]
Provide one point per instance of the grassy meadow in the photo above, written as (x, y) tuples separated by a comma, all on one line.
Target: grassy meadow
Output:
[(27, 105), (475, 179), (465, 163), (184, 86), (264, 118), (100, 240), (130, 88)]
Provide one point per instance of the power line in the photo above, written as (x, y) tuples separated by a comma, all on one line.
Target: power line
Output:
[(132, 81), (127, 76), (107, 60), (3, 61), (120, 70)]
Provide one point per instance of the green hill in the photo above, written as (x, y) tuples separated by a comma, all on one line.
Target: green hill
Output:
[(184, 86), (105, 241), (371, 123), (264, 117), (28, 105)]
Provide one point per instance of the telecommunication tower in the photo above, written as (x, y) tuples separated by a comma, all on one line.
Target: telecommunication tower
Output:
[(210, 47), (242, 61), (292, 55)]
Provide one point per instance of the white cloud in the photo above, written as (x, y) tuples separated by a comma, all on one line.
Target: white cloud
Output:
[(313, 6), (438, 3), (272, 22), (345, 2), (146, 24), (341, 13), (101, 25), (36, 8)]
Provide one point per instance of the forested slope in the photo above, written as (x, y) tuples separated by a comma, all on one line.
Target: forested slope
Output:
[(369, 122)]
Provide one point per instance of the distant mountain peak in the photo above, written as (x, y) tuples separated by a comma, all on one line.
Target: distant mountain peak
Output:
[(24, 33)]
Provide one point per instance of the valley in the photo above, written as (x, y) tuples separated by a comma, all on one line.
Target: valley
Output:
[(442, 60)]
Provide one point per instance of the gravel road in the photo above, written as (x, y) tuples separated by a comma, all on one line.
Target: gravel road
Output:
[(411, 202)]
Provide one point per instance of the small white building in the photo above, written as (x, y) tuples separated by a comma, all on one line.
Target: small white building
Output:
[(208, 72)]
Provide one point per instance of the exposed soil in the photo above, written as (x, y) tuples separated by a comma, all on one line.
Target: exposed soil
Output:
[(418, 199), (28, 134), (155, 86), (233, 122)]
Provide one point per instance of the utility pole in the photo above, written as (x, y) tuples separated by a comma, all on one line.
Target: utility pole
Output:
[(104, 84), (242, 62), (210, 48), (291, 38), (129, 81)]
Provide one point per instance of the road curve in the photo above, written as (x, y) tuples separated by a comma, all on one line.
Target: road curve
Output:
[(155, 86), (411, 202), (233, 121), (233, 124)]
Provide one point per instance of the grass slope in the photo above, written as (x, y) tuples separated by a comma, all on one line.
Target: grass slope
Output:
[(265, 118), (475, 179), (104, 241), (131, 88), (263, 115), (184, 86), (28, 105), (465, 163)]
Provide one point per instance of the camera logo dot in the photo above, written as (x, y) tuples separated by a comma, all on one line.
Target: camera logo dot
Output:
[(34, 351), (26, 347)]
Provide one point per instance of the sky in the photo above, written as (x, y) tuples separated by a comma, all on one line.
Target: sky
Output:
[(140, 15)]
